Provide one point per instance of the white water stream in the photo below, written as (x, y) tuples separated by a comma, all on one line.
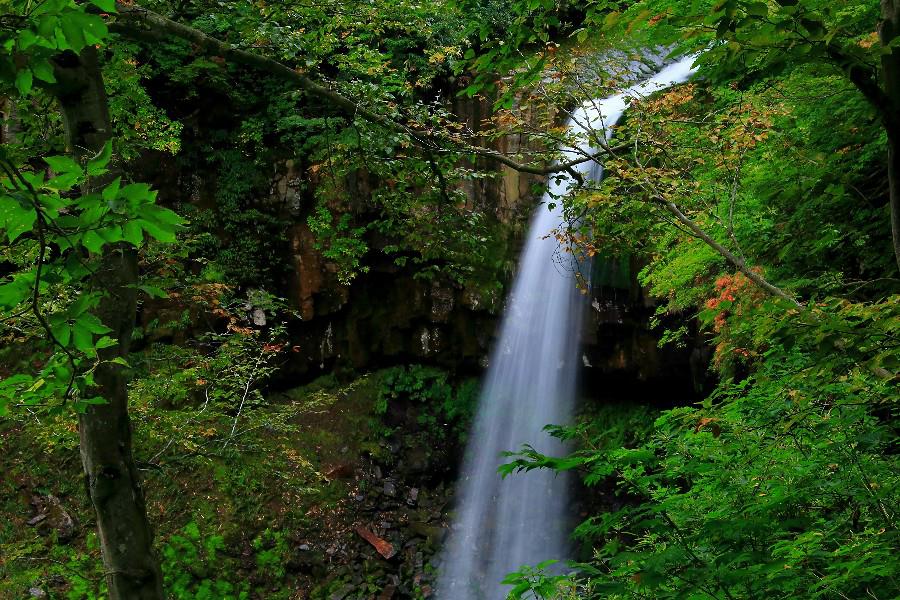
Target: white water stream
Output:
[(501, 525)]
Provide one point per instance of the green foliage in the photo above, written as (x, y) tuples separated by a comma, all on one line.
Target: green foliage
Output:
[(39, 33), (240, 235), (401, 45), (79, 569), (339, 242), (271, 552), (190, 564), (416, 383), (444, 409), (782, 483), (504, 29), (349, 179), (67, 235), (59, 217), (140, 124), (536, 582)]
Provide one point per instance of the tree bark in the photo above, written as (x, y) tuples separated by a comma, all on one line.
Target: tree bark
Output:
[(112, 480), (889, 31)]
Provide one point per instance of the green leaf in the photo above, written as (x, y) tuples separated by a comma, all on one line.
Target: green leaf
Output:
[(73, 32), (97, 165), (82, 405), (93, 324), (63, 182), (153, 292), (133, 233), (82, 29), (27, 39), (24, 81), (43, 71), (111, 234), (105, 5), (14, 293), (105, 342), (62, 332), (82, 304), (92, 241), (112, 190), (136, 192), (161, 233), (94, 29), (161, 215), (83, 339), (15, 218), (63, 164), (758, 9)]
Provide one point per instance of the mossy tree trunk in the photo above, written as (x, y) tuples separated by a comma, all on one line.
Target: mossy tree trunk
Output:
[(126, 540), (890, 65)]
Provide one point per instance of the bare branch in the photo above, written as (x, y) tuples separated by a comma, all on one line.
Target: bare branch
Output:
[(725, 252)]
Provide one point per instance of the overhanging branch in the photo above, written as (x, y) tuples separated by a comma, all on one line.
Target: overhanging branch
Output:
[(140, 23), (738, 262)]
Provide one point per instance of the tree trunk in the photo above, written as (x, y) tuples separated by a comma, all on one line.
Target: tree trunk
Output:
[(890, 66), (126, 540)]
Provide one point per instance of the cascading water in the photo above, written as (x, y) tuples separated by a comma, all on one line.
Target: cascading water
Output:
[(501, 525)]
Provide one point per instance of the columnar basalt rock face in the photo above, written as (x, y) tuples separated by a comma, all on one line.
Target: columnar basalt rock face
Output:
[(510, 195), (390, 317), (308, 271), (621, 345)]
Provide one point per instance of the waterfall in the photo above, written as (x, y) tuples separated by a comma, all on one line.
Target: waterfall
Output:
[(501, 525)]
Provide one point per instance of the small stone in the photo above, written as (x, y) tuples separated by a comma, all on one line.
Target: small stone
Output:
[(413, 496), (303, 547), (37, 593), (35, 520), (377, 472), (390, 489), (342, 593), (52, 517), (259, 317)]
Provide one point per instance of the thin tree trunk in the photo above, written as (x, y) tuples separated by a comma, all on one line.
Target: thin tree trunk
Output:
[(126, 539), (894, 183), (890, 66)]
